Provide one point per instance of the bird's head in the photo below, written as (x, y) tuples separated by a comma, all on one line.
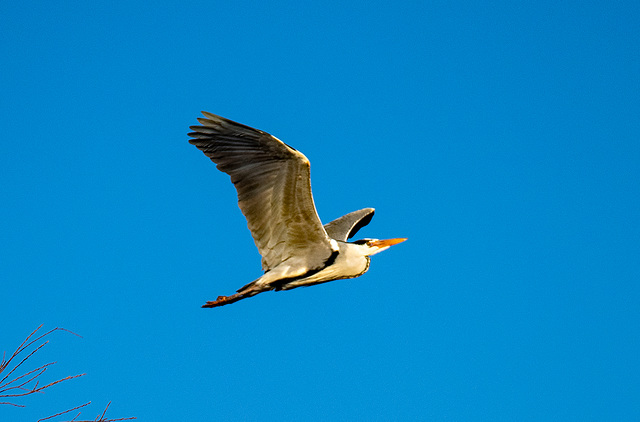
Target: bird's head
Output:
[(373, 246)]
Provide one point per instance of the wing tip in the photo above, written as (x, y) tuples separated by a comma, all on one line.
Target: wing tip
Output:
[(209, 115)]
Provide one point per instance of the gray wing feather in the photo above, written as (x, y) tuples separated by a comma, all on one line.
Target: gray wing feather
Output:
[(274, 190), (345, 227)]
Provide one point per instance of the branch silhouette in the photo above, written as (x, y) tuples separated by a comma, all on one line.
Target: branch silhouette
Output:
[(17, 382)]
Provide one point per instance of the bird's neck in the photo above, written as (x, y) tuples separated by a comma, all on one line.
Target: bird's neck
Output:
[(353, 259)]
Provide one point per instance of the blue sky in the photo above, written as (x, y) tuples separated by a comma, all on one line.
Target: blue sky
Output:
[(501, 138)]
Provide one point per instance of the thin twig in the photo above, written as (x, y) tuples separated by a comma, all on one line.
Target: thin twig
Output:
[(18, 386), (66, 411)]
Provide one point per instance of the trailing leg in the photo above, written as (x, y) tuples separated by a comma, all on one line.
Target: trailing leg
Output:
[(245, 292)]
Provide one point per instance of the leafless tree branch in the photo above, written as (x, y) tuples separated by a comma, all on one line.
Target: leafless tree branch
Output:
[(13, 386)]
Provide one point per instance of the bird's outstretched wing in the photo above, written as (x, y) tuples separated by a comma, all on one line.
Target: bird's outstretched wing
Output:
[(345, 227), (274, 190)]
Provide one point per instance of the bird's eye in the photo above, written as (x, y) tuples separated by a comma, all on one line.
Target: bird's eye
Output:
[(361, 241)]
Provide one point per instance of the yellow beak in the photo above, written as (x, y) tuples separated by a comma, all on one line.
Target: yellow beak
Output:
[(387, 242)]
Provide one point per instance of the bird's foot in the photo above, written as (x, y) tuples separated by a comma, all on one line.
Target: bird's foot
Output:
[(221, 300)]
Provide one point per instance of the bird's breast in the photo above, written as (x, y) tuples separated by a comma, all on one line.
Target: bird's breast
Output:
[(347, 264)]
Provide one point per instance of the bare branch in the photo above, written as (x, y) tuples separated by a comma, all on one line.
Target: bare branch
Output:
[(17, 386), (65, 412), (99, 418), (28, 382)]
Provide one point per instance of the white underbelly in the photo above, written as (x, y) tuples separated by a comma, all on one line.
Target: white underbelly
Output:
[(338, 271)]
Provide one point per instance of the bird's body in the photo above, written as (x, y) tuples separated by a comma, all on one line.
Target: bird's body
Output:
[(274, 193)]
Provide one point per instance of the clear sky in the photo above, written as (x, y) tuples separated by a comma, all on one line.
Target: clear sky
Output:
[(501, 138)]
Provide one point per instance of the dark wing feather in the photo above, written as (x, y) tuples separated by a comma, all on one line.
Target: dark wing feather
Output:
[(274, 189), (345, 227)]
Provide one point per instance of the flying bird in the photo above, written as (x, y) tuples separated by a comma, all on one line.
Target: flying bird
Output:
[(274, 194)]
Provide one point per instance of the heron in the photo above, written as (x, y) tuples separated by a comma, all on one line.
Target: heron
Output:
[(272, 180)]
